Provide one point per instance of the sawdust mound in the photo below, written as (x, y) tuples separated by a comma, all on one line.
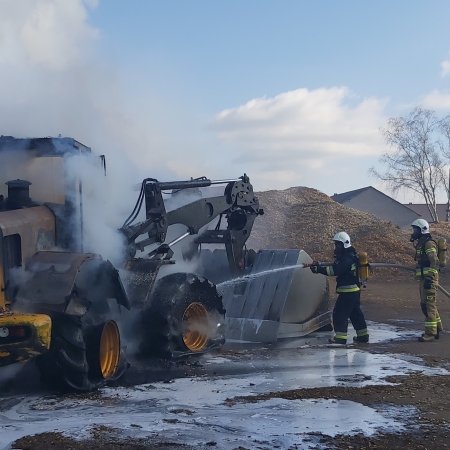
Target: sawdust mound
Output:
[(305, 218)]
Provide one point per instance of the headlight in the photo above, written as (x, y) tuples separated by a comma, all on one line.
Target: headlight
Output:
[(4, 332)]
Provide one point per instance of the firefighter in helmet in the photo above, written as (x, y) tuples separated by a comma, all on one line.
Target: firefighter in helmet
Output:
[(427, 272), (347, 306)]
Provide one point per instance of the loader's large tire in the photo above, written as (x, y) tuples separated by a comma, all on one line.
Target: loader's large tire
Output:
[(186, 316), (83, 354)]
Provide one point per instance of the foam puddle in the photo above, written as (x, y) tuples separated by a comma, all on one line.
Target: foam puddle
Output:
[(198, 419), (192, 410)]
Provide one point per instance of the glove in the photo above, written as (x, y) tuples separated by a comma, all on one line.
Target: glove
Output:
[(314, 268), (427, 283)]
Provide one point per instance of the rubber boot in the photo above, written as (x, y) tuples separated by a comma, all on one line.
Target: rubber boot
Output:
[(439, 329), (361, 339), (337, 341), (427, 337)]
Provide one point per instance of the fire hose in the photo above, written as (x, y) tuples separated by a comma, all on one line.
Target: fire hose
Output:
[(410, 269), (383, 265)]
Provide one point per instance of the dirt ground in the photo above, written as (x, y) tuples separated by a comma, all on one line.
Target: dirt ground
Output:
[(395, 300), (392, 299)]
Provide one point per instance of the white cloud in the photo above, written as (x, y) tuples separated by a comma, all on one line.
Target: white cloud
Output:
[(445, 68), (302, 123), (300, 137), (436, 100)]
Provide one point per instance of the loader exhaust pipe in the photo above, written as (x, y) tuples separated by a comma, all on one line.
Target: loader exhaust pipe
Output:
[(18, 194)]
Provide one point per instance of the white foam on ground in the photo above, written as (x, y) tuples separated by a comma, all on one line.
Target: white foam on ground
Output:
[(192, 410)]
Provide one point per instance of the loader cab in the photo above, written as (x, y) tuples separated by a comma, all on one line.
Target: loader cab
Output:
[(41, 165)]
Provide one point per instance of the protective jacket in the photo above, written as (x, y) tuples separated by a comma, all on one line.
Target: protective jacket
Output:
[(427, 261), (345, 269)]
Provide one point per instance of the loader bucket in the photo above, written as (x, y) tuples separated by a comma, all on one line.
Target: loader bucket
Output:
[(275, 299)]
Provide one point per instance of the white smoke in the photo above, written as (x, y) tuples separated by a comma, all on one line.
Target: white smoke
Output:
[(54, 82), (106, 200), (44, 61)]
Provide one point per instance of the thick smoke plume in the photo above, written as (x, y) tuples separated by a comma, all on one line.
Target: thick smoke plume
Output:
[(56, 82), (106, 199)]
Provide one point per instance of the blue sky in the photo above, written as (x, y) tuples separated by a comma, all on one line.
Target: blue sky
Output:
[(291, 92)]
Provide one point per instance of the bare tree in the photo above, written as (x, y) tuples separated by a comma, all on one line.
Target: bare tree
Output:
[(444, 126), (416, 162)]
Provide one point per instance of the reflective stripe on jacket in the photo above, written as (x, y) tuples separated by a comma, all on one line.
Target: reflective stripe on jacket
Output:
[(345, 269), (427, 258)]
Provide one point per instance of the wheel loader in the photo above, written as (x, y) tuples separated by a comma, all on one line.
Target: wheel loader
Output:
[(79, 316)]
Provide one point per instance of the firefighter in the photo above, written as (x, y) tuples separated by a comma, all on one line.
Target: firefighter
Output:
[(347, 306), (427, 272)]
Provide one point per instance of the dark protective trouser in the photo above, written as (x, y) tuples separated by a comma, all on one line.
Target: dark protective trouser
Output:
[(428, 305), (348, 306)]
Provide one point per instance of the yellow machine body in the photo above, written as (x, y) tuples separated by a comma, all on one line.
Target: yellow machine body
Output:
[(22, 233), (23, 336)]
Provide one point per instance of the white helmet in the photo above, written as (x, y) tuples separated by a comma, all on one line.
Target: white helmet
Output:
[(422, 224), (343, 237)]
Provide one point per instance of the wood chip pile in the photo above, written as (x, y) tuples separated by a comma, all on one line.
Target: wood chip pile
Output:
[(305, 218)]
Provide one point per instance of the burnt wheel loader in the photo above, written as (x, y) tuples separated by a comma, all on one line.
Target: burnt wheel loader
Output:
[(70, 310)]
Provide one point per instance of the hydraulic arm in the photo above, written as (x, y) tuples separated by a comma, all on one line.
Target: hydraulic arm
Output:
[(238, 204)]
